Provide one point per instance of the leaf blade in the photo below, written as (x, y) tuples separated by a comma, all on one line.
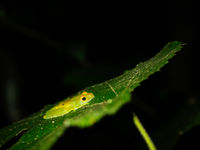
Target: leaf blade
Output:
[(109, 97)]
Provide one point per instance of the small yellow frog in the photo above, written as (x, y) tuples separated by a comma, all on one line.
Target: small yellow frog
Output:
[(68, 105)]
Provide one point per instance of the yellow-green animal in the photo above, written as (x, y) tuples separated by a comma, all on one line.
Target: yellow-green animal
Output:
[(69, 104)]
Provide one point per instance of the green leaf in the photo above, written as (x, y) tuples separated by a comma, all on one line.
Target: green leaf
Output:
[(109, 97)]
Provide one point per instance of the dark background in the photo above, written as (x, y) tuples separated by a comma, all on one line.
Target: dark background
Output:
[(51, 49)]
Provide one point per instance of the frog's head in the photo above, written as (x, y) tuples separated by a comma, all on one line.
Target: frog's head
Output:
[(86, 97)]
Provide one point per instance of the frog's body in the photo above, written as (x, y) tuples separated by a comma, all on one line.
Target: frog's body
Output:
[(68, 105)]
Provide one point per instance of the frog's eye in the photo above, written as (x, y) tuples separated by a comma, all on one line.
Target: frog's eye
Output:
[(83, 98)]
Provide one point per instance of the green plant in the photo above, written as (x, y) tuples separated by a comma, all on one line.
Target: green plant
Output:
[(143, 133), (109, 97)]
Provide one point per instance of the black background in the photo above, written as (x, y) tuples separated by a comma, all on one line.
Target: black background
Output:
[(51, 49)]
